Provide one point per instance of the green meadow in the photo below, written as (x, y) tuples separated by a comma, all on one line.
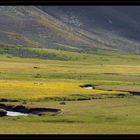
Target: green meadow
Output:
[(39, 77)]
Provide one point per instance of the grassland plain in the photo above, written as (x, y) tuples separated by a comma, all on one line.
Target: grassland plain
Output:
[(43, 82)]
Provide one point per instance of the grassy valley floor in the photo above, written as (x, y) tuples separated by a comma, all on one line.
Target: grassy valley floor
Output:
[(101, 116), (42, 82)]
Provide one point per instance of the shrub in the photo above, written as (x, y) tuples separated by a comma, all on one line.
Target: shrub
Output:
[(37, 76)]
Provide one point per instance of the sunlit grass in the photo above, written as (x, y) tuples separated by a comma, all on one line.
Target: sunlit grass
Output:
[(34, 90), (36, 78)]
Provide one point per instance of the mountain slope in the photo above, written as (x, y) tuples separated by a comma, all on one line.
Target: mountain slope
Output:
[(118, 24), (34, 27), (122, 20), (42, 27)]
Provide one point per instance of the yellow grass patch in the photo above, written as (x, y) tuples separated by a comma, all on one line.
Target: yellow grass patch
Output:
[(33, 90)]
